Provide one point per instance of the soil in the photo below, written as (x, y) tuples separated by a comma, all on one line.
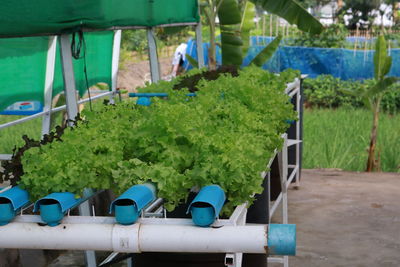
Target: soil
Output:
[(136, 74), (191, 82)]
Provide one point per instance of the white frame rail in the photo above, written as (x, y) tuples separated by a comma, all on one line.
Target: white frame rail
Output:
[(288, 172)]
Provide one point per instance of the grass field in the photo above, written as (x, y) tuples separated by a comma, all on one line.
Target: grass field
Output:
[(339, 139), (11, 136), (332, 138)]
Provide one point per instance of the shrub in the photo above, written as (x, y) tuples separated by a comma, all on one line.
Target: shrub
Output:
[(325, 91)]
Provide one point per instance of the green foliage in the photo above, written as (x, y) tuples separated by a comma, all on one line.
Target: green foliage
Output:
[(235, 30), (267, 52), (334, 36), (337, 138), (361, 12), (231, 45), (247, 25), (326, 91), (192, 61), (229, 12), (293, 12), (223, 136), (382, 62), (134, 40)]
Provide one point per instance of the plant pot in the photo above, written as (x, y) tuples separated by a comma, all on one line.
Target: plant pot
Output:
[(203, 216), (7, 213), (51, 213), (126, 213)]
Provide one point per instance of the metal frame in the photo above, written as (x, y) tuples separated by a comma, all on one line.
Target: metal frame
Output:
[(71, 100), (155, 213), (113, 28), (153, 57), (72, 107), (115, 64), (48, 87), (69, 78)]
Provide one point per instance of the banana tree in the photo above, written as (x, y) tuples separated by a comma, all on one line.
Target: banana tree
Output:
[(235, 25), (372, 96)]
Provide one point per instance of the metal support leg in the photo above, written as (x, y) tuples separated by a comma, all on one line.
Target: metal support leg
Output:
[(298, 125), (115, 64), (48, 87), (84, 210), (154, 67), (283, 166), (69, 78), (72, 110), (269, 194), (199, 44), (129, 262)]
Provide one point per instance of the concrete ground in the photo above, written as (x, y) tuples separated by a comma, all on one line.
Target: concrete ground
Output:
[(346, 219)]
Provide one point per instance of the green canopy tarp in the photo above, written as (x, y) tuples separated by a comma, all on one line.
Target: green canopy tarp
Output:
[(42, 17), (23, 66), (23, 60)]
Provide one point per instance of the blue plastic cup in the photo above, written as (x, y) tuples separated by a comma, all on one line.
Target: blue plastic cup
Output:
[(51, 213), (7, 213)]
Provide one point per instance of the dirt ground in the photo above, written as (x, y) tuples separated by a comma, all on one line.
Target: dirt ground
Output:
[(346, 219), (135, 74)]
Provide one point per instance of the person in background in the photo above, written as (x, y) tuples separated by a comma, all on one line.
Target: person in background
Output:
[(179, 59)]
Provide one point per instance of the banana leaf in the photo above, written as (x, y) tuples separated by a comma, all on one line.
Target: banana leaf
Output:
[(192, 61), (230, 18), (229, 13), (381, 86), (231, 46), (382, 62), (267, 52), (293, 12), (247, 25)]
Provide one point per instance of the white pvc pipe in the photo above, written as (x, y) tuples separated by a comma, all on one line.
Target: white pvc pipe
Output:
[(135, 238), (171, 238)]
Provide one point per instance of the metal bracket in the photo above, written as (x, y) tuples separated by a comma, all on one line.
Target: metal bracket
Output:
[(233, 259)]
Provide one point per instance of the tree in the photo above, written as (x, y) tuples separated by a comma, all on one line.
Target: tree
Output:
[(361, 12), (313, 3), (372, 96)]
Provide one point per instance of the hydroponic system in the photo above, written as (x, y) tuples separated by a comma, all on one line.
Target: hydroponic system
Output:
[(199, 164)]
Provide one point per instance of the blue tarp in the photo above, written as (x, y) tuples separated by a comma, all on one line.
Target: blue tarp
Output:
[(342, 63)]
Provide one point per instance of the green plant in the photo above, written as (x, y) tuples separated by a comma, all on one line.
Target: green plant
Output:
[(235, 25), (334, 36), (326, 91), (361, 12), (337, 138), (134, 40), (223, 136), (372, 96)]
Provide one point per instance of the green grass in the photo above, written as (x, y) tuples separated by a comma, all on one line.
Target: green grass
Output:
[(340, 138), (12, 136)]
